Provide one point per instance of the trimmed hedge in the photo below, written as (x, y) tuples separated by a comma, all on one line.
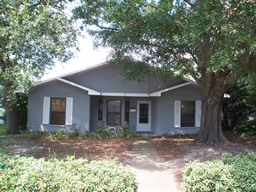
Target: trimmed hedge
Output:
[(230, 173), (29, 174)]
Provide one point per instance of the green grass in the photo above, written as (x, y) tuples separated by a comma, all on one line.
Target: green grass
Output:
[(2, 129)]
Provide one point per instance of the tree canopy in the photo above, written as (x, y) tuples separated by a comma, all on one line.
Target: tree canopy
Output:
[(34, 35), (212, 41)]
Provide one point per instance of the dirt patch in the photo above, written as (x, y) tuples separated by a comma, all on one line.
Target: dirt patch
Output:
[(92, 149), (177, 150)]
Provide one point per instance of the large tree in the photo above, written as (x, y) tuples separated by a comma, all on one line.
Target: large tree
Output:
[(34, 35), (213, 41)]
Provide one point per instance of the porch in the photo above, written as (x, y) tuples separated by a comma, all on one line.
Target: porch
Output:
[(114, 111)]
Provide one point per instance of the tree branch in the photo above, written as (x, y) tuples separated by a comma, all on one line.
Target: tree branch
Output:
[(192, 73), (108, 28), (189, 3), (157, 8)]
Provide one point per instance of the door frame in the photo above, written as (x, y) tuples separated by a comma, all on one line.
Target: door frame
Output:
[(140, 126)]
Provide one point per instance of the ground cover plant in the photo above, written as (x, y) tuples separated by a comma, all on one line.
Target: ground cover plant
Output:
[(178, 150), (230, 173), (30, 174)]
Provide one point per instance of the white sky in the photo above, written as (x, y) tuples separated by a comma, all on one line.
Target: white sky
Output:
[(85, 58)]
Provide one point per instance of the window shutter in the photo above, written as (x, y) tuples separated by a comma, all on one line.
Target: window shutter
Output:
[(198, 113), (177, 108), (69, 110), (46, 110)]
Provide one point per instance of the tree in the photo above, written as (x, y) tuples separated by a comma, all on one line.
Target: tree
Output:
[(34, 35), (213, 41), (236, 109)]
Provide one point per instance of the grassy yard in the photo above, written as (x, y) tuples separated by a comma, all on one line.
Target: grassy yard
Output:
[(2, 128)]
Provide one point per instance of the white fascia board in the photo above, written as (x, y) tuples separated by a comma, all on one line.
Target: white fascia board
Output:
[(125, 94), (90, 91), (158, 93)]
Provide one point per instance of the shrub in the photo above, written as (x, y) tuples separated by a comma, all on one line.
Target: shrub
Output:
[(33, 135), (104, 133), (30, 174), (248, 128), (231, 173), (127, 133)]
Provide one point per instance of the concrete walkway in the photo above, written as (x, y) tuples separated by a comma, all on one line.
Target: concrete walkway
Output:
[(149, 168)]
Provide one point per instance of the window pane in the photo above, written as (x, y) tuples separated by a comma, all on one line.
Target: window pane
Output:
[(58, 109), (57, 118), (58, 104), (143, 113), (114, 112), (100, 110), (187, 113), (127, 106)]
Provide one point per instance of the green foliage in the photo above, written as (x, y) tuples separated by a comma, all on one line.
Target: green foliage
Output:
[(247, 129), (2, 129), (61, 132), (236, 109), (74, 133), (174, 34), (22, 110), (33, 36), (30, 174), (230, 173), (104, 133), (128, 133), (164, 135), (252, 92), (33, 135)]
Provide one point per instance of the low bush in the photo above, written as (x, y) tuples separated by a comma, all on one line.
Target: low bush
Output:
[(230, 173), (33, 135), (104, 133), (30, 174), (127, 133), (248, 129), (2, 129)]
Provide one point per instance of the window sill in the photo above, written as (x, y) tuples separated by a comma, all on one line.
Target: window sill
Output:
[(53, 125), (186, 127)]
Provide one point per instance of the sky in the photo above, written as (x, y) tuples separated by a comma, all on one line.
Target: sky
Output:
[(85, 58)]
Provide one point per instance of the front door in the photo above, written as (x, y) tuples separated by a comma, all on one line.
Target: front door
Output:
[(144, 116)]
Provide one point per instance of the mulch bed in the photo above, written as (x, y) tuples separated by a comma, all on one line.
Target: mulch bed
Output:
[(177, 150)]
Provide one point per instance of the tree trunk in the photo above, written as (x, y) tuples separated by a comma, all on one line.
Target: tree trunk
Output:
[(12, 124), (210, 130)]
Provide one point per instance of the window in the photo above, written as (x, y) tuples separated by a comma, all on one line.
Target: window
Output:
[(100, 110), (114, 112), (127, 106), (58, 109), (187, 113), (143, 117)]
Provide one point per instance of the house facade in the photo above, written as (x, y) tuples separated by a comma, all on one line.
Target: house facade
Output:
[(81, 99)]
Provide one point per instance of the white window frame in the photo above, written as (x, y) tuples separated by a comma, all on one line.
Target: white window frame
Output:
[(68, 112), (177, 114)]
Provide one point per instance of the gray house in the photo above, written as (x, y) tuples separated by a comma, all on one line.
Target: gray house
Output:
[(99, 93)]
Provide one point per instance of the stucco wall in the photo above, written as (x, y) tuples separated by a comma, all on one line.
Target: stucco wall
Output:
[(81, 106), (109, 78), (165, 110)]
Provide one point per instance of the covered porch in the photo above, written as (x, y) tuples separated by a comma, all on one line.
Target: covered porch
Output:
[(115, 112)]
